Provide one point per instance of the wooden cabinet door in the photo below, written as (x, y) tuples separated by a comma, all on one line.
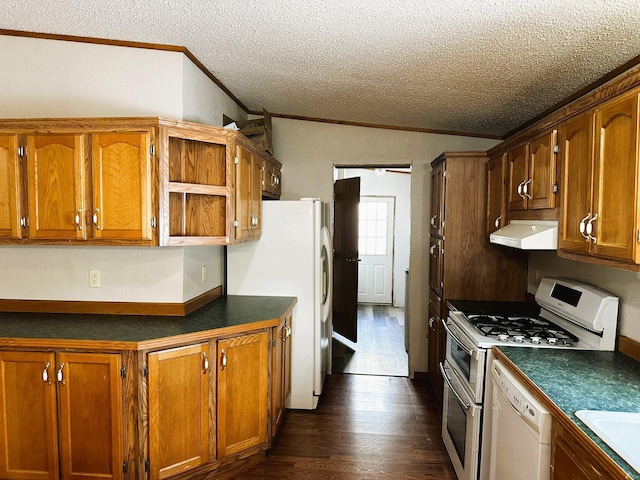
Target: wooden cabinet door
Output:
[(517, 175), (244, 219), (436, 265), (28, 429), (242, 392), (495, 194), (616, 179), (575, 172), (280, 372), (178, 410), (434, 354), (56, 187), (256, 195), (90, 416), (271, 179), (10, 188), (542, 172), (437, 199), (122, 199)]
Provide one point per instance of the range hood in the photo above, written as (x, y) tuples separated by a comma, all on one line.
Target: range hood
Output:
[(528, 235)]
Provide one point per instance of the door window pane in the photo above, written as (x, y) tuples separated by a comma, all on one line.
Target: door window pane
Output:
[(372, 232)]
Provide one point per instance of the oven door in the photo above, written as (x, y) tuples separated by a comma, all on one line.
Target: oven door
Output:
[(467, 360), (460, 426)]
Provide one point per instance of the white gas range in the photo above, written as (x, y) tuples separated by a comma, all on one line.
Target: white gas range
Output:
[(568, 314)]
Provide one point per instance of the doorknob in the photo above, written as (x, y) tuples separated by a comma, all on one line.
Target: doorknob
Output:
[(353, 259)]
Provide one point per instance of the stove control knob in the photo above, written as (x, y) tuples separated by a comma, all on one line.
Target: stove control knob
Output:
[(519, 338), (552, 341), (567, 342), (535, 340), (503, 337)]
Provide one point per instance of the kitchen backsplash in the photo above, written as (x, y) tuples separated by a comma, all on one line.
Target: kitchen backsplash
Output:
[(625, 285)]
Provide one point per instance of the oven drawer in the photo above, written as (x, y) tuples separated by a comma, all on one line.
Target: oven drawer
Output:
[(460, 426)]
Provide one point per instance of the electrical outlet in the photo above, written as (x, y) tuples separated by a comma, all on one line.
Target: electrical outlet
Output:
[(204, 273), (94, 278)]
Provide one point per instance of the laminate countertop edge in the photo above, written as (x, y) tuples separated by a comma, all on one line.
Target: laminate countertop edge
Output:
[(225, 316)]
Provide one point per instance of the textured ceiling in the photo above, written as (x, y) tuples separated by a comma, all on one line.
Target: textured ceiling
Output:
[(481, 67)]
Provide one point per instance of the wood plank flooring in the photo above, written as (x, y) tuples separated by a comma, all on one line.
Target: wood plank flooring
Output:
[(366, 428), (380, 348)]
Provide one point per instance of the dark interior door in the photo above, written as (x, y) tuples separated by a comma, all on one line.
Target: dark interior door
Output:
[(345, 257)]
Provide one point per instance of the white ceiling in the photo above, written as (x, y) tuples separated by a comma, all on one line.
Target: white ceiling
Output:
[(475, 66)]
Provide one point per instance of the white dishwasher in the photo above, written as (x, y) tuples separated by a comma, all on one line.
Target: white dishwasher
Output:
[(521, 431)]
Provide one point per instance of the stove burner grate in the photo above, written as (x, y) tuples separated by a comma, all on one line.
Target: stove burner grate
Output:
[(520, 326)]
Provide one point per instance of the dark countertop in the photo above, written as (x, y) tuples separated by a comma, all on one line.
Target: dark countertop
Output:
[(227, 313), (583, 380)]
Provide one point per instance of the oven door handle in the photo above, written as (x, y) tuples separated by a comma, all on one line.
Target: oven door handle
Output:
[(461, 401), (467, 350)]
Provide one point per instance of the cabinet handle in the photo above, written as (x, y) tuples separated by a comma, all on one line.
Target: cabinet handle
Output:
[(59, 375), (275, 180), (287, 331), (590, 229), (223, 360), (431, 320), (433, 221), (583, 226), (520, 187), (95, 219), (77, 219), (205, 362), (432, 250), (525, 189), (23, 222), (45, 373), (497, 222)]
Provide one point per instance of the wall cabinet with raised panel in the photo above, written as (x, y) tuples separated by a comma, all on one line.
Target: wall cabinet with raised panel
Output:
[(600, 210), (531, 174)]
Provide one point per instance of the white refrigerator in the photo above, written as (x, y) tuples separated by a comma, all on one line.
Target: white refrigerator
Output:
[(293, 258)]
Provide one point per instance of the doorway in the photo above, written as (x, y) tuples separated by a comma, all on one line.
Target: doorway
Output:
[(383, 257)]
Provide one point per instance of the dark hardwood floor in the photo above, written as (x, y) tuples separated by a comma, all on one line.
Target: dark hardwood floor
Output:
[(366, 427), (380, 348)]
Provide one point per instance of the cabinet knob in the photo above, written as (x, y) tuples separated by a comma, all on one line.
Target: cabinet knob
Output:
[(223, 360), (205, 362), (525, 189), (583, 226), (95, 219), (45, 373), (77, 219), (59, 374)]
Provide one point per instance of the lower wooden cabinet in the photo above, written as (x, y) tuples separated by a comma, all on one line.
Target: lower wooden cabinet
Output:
[(280, 372), (61, 416), (573, 459), (242, 401), (178, 409)]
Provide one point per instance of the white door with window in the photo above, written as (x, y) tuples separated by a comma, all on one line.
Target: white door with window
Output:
[(375, 249)]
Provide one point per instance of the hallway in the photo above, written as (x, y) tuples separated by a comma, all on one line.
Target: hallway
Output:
[(365, 428), (380, 348)]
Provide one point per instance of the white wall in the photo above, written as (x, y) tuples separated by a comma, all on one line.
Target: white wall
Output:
[(397, 185), (621, 283), (309, 151), (51, 78)]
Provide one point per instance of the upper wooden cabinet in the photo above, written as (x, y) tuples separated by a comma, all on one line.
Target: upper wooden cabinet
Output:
[(531, 174), (11, 209), (600, 208), (437, 199), (248, 224), (131, 181), (496, 211), (271, 178)]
